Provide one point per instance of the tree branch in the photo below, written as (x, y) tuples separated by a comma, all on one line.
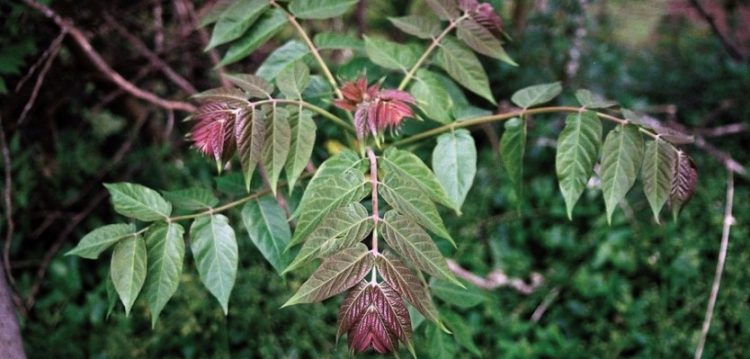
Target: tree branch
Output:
[(102, 65), (728, 46), (497, 279)]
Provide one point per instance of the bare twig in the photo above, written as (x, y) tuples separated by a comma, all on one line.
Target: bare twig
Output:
[(497, 279), (158, 26), (725, 130), (9, 224), (155, 60), (728, 222), (53, 50), (728, 46), (41, 60), (542, 308), (79, 37)]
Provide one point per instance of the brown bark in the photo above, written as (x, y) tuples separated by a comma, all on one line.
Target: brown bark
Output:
[(11, 344)]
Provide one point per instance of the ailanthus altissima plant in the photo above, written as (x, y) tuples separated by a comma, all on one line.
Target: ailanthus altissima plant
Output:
[(369, 213)]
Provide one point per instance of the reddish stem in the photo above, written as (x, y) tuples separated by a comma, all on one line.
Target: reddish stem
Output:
[(374, 185)]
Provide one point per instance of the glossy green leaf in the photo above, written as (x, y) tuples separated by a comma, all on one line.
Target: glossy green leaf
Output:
[(194, 198), (128, 269), (461, 331), (536, 95), (320, 9), (512, 148), (445, 9), (411, 168), (303, 130), (591, 100), (327, 195), (337, 165), (137, 201), (481, 40), (577, 151), (214, 248), (250, 131), (464, 298), (267, 227), (410, 286), (166, 250), (391, 55), (235, 20), (343, 228), (336, 274), (657, 174), (293, 80), (254, 86), (337, 41), (284, 56), (622, 154), (213, 14), (432, 97), (454, 161), (439, 344), (412, 243), (464, 67), (98, 240), (277, 144), (410, 201), (268, 26), (423, 27)]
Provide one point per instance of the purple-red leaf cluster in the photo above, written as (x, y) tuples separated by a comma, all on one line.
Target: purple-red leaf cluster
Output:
[(375, 109), (484, 14), (213, 132)]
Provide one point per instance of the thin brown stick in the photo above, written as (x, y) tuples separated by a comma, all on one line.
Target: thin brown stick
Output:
[(8, 204), (41, 60), (728, 46), (728, 222), (54, 49), (497, 279), (155, 60), (80, 39)]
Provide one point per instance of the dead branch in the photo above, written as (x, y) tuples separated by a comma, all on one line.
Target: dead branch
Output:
[(728, 46), (9, 224), (497, 279), (54, 49), (728, 222), (80, 39)]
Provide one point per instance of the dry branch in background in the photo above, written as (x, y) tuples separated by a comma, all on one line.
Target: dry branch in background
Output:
[(497, 279)]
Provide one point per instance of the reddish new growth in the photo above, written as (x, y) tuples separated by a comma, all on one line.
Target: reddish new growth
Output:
[(374, 316), (484, 14), (375, 109), (213, 132)]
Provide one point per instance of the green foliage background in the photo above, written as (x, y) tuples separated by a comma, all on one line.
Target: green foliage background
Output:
[(632, 289)]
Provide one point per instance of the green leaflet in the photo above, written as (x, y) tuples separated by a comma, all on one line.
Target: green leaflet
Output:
[(464, 67), (411, 168), (423, 27), (656, 174), (338, 164), (303, 130), (137, 201), (214, 248), (250, 131), (577, 150), (591, 100), (293, 80), (343, 228), (128, 269), (328, 194), (445, 9), (277, 144), (622, 154), (337, 41), (235, 20), (254, 86), (410, 201), (98, 240), (413, 244), (282, 57), (231, 95), (336, 274), (461, 331), (268, 229), (432, 97), (464, 298), (512, 148), (391, 55), (439, 344), (409, 285), (482, 40), (166, 250), (320, 9), (194, 198), (268, 26), (536, 95), (454, 161)]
